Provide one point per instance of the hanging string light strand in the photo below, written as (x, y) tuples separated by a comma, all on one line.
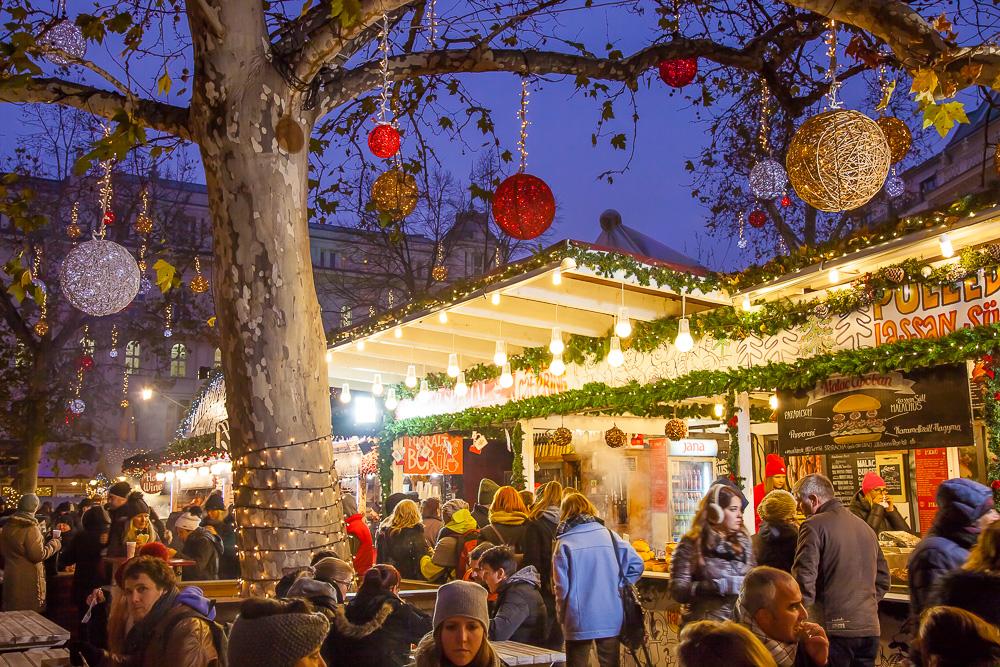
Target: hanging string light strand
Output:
[(522, 115), (765, 121), (831, 74)]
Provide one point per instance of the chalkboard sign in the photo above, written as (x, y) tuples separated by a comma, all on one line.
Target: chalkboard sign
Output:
[(893, 477), (844, 475)]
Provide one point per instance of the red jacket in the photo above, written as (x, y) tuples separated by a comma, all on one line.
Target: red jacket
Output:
[(365, 556)]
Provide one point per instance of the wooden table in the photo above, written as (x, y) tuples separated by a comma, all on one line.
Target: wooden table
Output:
[(36, 657), (515, 653), (20, 630)]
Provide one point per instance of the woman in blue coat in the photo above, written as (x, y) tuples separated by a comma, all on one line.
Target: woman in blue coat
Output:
[(586, 564)]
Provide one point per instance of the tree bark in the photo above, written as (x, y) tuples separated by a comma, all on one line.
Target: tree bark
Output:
[(286, 491), (36, 421)]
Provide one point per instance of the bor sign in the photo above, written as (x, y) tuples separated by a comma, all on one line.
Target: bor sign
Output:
[(439, 454)]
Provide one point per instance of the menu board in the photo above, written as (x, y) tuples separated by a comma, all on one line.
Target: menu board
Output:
[(932, 469), (844, 475), (877, 412), (848, 470), (432, 454)]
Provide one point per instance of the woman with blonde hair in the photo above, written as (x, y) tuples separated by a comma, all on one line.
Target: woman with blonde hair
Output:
[(400, 540), (588, 564), (727, 643), (976, 586), (539, 537), (508, 516), (711, 560)]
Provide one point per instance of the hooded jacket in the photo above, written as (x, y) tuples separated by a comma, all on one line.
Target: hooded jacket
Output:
[(364, 557), (456, 532), (710, 589), (520, 611), (539, 536), (24, 552), (205, 549), (85, 550), (961, 502), (876, 516), (374, 630), (484, 498), (774, 544), (973, 591)]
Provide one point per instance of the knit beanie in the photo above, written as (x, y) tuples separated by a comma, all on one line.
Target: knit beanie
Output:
[(778, 505), (774, 466), (350, 505), (187, 522), (215, 502), (120, 489), (28, 503), (154, 549), (487, 489), (461, 598), (332, 569), (449, 509), (871, 481), (136, 505), (279, 640)]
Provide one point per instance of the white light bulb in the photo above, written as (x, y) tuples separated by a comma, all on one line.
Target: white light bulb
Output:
[(556, 345), (443, 317), (345, 393), (390, 400), (747, 305), (461, 389), (945, 243), (361, 346), (623, 327), (557, 277), (411, 376), (834, 276), (425, 390), (557, 367), (773, 401), (329, 356), (718, 409), (398, 332), (500, 353), (495, 298), (453, 368), (684, 342), (506, 379), (615, 356), (377, 388)]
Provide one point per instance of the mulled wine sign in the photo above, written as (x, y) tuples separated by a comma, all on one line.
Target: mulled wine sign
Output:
[(878, 411)]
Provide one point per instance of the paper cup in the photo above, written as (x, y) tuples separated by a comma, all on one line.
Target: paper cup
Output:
[(129, 549), (56, 533)]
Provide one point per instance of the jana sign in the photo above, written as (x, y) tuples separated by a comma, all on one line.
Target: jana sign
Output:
[(439, 454), (878, 411), (693, 447)]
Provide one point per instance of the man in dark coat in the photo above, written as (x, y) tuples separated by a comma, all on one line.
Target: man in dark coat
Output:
[(964, 509), (201, 546), (117, 510), (520, 614), (215, 511), (873, 505), (840, 569)]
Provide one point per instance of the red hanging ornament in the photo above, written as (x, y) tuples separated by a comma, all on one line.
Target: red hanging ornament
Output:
[(109, 218), (757, 219), (786, 201), (383, 141), (86, 362), (995, 484), (678, 72), (524, 206)]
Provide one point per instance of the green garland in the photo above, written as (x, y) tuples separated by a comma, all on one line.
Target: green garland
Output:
[(992, 417), (732, 429), (517, 479)]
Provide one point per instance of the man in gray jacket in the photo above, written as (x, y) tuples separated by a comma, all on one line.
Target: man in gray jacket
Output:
[(841, 572)]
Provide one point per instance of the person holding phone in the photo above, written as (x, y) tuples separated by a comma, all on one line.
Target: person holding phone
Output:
[(873, 505), (25, 550)]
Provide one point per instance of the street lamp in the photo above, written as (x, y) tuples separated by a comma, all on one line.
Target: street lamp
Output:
[(147, 393)]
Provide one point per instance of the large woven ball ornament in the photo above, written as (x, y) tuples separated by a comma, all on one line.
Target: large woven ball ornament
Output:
[(678, 72), (757, 219), (99, 277), (615, 438), (562, 437), (897, 135), (677, 429), (395, 194), (523, 206), (768, 179), (68, 38), (838, 160), (383, 141)]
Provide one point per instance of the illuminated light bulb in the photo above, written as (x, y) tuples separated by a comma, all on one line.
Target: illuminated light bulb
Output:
[(495, 298), (500, 353), (568, 263), (159, 477), (557, 277), (391, 403), (834, 276), (361, 346), (398, 332), (217, 468), (146, 393), (425, 390), (773, 401), (945, 243), (718, 410), (746, 305), (377, 388), (623, 327), (556, 345), (615, 356), (684, 342), (453, 368), (411, 376), (345, 393), (461, 389), (169, 475), (506, 379), (557, 367), (329, 356), (443, 317)]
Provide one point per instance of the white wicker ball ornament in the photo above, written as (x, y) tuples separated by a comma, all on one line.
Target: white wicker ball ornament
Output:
[(67, 37), (768, 179), (99, 277), (838, 160)]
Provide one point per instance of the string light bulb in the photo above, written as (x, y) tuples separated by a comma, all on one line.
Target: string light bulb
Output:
[(746, 305), (411, 376), (453, 368), (557, 367), (425, 390), (615, 356), (718, 410), (329, 357), (361, 345), (773, 401), (557, 277), (500, 353), (556, 344), (461, 389), (495, 298), (398, 332), (345, 393), (834, 276), (506, 378), (623, 327), (443, 317), (946, 248), (377, 388), (391, 402)]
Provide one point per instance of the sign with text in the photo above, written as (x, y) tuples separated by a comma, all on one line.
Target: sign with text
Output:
[(438, 454), (932, 469), (694, 447), (877, 412), (659, 480)]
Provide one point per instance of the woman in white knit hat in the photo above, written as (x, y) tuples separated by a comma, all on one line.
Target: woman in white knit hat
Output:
[(461, 620)]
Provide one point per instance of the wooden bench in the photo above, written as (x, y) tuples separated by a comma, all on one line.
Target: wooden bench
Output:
[(20, 630), (36, 657), (515, 653)]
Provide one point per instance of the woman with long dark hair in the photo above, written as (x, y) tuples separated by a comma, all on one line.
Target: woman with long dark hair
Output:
[(709, 564)]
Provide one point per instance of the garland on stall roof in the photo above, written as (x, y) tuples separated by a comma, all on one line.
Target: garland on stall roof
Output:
[(517, 478), (992, 417), (732, 429)]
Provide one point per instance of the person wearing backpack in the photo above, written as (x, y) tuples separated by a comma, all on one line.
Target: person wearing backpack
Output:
[(539, 536), (508, 519), (400, 540), (458, 537)]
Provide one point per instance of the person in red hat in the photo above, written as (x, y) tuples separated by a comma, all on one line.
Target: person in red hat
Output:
[(775, 477), (873, 504)]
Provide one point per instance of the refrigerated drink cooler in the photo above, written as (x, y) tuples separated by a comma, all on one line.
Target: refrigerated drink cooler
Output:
[(690, 479)]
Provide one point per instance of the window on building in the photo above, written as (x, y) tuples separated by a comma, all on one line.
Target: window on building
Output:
[(178, 361), (928, 184), (132, 357), (345, 316), (217, 363), (473, 262), (87, 346)]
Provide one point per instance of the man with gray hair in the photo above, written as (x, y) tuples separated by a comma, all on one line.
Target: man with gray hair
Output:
[(770, 606), (841, 572)]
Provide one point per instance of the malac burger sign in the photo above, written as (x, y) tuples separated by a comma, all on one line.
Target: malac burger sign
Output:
[(878, 411)]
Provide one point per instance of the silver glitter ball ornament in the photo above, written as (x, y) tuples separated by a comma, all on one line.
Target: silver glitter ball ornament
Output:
[(894, 186), (76, 406), (768, 179), (67, 37), (99, 277), (926, 271), (168, 332), (113, 353), (742, 243)]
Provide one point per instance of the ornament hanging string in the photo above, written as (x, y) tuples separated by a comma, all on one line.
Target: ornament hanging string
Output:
[(383, 45), (765, 125), (831, 42), (105, 193), (522, 115), (432, 23)]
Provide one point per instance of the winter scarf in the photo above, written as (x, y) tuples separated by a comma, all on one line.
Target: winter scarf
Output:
[(783, 652), (142, 632), (574, 522), (508, 518)]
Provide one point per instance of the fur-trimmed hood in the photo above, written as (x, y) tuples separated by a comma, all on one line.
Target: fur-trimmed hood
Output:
[(347, 628)]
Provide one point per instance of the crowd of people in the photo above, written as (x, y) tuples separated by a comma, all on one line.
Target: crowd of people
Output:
[(541, 570)]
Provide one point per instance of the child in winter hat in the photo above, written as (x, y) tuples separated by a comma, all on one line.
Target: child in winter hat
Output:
[(276, 633), (778, 506)]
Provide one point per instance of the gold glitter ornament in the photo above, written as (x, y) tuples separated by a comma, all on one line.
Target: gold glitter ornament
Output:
[(394, 193), (897, 135), (439, 273), (562, 436), (143, 224), (676, 429), (41, 328), (615, 438), (838, 160), (73, 231), (199, 284)]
